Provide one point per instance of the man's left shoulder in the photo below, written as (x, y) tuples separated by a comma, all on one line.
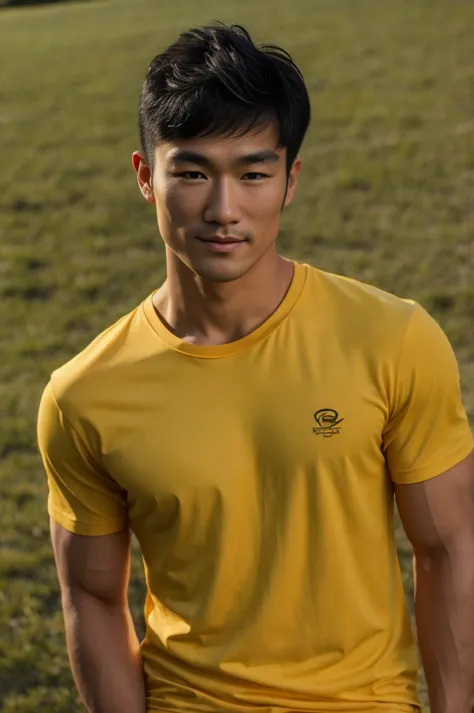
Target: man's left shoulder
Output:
[(359, 303)]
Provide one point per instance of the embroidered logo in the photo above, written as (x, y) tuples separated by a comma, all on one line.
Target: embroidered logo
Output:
[(328, 421)]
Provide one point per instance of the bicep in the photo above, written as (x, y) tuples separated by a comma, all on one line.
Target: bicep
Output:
[(95, 565), (439, 512)]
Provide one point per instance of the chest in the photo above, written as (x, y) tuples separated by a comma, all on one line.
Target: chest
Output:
[(221, 425)]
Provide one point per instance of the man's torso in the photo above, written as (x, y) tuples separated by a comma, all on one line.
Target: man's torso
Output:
[(258, 490)]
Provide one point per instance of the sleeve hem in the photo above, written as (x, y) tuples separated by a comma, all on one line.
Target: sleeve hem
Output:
[(418, 475), (86, 528)]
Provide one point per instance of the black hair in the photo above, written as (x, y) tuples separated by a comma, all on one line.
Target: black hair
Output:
[(214, 80)]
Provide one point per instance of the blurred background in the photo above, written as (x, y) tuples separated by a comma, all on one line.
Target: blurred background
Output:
[(386, 197)]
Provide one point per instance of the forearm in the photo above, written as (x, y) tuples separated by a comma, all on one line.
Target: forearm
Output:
[(104, 655), (444, 610)]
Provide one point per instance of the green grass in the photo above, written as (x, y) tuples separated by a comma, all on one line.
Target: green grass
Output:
[(385, 197)]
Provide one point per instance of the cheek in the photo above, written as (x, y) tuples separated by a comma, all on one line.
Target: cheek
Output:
[(268, 196), (176, 207), (262, 215), (265, 202)]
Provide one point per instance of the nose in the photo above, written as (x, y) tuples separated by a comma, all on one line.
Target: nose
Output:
[(222, 204)]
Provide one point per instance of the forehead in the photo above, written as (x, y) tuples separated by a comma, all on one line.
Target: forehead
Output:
[(223, 149)]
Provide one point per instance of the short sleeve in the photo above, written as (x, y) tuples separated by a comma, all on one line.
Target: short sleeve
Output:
[(428, 431), (82, 497)]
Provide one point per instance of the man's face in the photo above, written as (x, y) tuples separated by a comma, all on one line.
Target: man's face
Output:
[(219, 200)]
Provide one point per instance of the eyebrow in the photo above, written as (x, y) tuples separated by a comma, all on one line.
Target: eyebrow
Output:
[(188, 156)]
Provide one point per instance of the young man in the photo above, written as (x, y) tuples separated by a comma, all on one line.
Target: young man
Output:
[(251, 422)]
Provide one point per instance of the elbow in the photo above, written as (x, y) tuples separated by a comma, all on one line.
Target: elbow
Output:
[(456, 553), (459, 541)]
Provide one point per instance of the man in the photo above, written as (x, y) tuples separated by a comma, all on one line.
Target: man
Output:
[(251, 422)]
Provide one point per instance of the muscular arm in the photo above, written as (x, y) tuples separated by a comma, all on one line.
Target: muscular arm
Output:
[(438, 517), (101, 639)]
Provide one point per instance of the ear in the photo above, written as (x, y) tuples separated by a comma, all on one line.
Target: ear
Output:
[(144, 177), (293, 180)]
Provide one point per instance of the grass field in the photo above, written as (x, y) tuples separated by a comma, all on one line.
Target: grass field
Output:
[(386, 197)]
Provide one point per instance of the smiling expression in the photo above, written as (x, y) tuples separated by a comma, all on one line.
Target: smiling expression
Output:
[(219, 200)]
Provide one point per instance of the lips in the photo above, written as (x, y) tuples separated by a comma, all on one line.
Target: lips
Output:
[(220, 244), (222, 240)]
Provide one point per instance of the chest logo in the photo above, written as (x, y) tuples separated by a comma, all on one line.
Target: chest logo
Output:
[(328, 423)]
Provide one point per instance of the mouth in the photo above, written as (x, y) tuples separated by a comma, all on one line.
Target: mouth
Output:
[(221, 244)]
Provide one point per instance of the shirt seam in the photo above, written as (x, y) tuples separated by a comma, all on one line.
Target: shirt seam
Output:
[(94, 461), (445, 464), (399, 362), (237, 351)]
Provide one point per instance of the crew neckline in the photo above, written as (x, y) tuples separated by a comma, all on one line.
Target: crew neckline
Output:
[(222, 350)]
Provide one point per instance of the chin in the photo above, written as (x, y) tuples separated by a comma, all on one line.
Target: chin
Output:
[(219, 270)]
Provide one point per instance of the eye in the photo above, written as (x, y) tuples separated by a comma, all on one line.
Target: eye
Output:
[(254, 176), (191, 175)]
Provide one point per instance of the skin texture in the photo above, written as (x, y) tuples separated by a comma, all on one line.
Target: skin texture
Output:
[(438, 517), (209, 297), (103, 648)]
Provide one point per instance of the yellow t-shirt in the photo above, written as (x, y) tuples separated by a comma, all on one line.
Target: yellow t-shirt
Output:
[(257, 478)]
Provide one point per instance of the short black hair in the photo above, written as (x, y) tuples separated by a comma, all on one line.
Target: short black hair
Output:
[(214, 80)]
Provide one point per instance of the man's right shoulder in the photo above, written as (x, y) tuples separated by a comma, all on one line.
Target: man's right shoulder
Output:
[(95, 367)]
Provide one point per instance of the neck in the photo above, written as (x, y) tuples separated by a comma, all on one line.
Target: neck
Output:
[(211, 313)]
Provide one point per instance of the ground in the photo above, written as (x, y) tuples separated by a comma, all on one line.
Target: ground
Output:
[(385, 197)]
